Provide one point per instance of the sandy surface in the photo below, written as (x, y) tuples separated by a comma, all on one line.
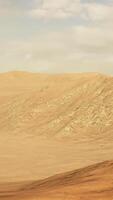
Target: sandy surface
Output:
[(50, 124), (90, 183), (37, 158)]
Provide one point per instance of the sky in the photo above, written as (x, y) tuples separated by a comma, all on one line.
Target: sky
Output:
[(56, 36)]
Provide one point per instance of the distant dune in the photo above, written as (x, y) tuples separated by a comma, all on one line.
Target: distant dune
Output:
[(56, 105), (90, 183), (51, 124)]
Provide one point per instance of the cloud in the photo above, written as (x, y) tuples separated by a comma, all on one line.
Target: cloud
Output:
[(92, 11), (60, 9), (64, 9), (83, 47), (99, 12)]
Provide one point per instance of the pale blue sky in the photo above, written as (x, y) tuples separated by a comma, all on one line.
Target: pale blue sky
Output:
[(56, 36)]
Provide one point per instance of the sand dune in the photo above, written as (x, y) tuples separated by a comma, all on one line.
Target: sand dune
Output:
[(50, 124), (56, 105), (93, 182)]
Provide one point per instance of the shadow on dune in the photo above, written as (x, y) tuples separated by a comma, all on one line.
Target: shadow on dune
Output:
[(93, 182)]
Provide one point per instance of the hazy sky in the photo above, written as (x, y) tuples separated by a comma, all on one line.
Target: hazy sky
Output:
[(56, 35)]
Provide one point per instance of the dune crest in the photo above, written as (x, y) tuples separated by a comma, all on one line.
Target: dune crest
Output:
[(93, 182), (56, 105)]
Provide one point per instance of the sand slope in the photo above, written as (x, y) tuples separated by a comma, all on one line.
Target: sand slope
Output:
[(93, 182), (56, 105), (51, 124)]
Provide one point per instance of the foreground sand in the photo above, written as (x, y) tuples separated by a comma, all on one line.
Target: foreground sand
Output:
[(90, 183)]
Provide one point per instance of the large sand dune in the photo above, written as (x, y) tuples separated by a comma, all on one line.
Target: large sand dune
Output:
[(51, 124), (56, 105), (90, 183)]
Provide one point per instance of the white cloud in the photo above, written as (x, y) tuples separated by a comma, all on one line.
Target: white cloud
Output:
[(86, 47), (59, 9), (52, 9), (99, 12), (64, 9)]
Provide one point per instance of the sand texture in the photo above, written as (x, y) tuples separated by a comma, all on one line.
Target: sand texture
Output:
[(90, 183), (51, 124)]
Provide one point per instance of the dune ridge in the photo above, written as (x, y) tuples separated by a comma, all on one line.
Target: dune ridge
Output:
[(56, 105), (92, 182)]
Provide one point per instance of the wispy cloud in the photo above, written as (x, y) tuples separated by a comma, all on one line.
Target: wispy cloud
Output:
[(64, 9), (60, 9), (99, 12), (81, 46), (85, 45)]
